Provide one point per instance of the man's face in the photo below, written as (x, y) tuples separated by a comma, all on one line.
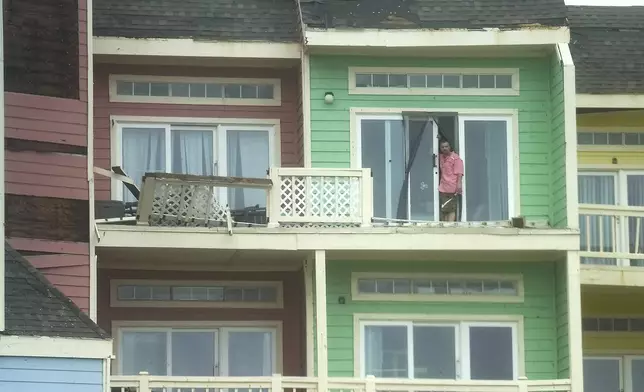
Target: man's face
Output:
[(445, 149)]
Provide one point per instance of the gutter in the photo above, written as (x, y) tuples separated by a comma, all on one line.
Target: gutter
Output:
[(93, 267)]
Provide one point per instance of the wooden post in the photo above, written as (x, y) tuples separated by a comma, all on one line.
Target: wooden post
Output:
[(144, 382), (276, 383), (320, 313), (523, 385), (370, 384), (573, 276), (367, 198), (310, 316)]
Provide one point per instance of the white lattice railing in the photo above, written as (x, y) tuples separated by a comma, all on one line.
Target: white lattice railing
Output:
[(611, 235), (277, 383), (320, 197)]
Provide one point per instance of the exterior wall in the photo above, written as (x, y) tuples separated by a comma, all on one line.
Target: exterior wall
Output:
[(558, 145), (615, 122), (330, 124), (538, 309), (291, 315), (47, 200), (33, 374), (287, 113), (561, 304), (598, 303)]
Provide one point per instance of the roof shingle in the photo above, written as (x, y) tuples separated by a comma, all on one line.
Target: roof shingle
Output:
[(221, 20), (432, 14), (607, 45), (34, 307)]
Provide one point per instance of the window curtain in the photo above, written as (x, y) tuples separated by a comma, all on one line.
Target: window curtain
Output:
[(374, 355), (486, 170), (596, 189), (248, 156), (143, 151), (192, 152), (635, 187)]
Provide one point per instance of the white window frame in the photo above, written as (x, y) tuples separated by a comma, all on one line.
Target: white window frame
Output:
[(510, 116), (219, 127), (275, 101), (610, 147), (513, 91), (356, 295), (620, 177), (625, 368), (221, 329), (461, 325)]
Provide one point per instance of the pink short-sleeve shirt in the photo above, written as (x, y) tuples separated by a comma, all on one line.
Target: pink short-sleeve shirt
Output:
[(451, 169)]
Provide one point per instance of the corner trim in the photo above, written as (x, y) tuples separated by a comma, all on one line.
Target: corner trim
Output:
[(614, 101), (30, 346)]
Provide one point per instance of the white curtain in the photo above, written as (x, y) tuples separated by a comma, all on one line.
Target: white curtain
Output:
[(486, 170), (192, 152), (635, 188), (143, 151), (596, 189), (248, 156), (373, 352)]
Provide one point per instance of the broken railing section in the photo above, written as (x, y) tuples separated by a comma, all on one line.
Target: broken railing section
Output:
[(189, 200)]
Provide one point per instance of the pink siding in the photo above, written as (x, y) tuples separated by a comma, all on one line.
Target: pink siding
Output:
[(103, 109), (46, 175), (46, 246), (45, 119), (69, 273)]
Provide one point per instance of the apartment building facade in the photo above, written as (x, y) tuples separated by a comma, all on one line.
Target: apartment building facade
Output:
[(611, 194), (281, 225)]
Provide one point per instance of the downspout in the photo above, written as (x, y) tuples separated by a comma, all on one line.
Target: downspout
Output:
[(305, 85), (93, 267), (2, 163)]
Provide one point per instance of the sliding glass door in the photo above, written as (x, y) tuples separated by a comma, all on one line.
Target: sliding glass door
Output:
[(401, 153)]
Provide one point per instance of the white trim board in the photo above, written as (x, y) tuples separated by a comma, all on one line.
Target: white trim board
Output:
[(608, 101), (30, 346), (436, 38), (186, 47)]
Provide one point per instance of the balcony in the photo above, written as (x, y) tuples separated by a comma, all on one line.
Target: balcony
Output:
[(612, 244), (146, 383)]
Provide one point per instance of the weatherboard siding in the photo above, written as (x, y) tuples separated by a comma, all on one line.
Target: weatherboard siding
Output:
[(561, 305), (538, 309), (558, 145), (34, 374), (599, 303), (330, 135)]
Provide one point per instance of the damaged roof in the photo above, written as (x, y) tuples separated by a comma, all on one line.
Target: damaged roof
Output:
[(607, 45), (34, 307), (432, 14), (219, 20)]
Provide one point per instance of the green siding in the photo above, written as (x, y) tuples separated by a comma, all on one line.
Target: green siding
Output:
[(558, 146), (563, 357), (538, 309), (330, 135)]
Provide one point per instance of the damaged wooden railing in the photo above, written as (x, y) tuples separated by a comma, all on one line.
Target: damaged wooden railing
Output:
[(611, 235), (278, 383)]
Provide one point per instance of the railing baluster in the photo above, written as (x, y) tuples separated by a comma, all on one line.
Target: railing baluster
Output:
[(601, 234), (638, 224), (613, 224), (588, 234)]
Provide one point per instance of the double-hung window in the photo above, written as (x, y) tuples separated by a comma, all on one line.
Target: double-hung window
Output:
[(445, 350), (605, 234), (204, 352), (220, 150), (402, 152)]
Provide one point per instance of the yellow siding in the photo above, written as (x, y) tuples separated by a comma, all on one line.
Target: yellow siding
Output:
[(613, 342), (606, 157), (631, 118), (611, 122)]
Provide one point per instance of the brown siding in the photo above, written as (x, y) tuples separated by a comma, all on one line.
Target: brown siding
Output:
[(82, 50), (103, 109), (299, 141), (68, 272), (291, 316)]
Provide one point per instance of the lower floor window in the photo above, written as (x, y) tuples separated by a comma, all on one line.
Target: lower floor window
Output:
[(455, 350), (235, 352), (614, 373)]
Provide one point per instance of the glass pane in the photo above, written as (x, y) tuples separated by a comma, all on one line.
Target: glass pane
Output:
[(193, 353), (159, 89), (434, 81), (451, 81), (363, 80), (596, 189), (470, 81), (635, 192), (197, 90), (637, 373), (265, 91), (417, 81), (601, 375), (491, 353), (143, 151), (486, 81), (435, 352), (180, 89), (503, 81), (585, 138), (192, 152), (396, 80), (386, 351), (144, 352), (380, 80), (600, 138), (250, 354), (615, 138), (248, 156), (366, 286), (486, 170), (631, 139), (214, 90), (142, 89), (421, 177), (249, 91), (124, 88), (232, 91)]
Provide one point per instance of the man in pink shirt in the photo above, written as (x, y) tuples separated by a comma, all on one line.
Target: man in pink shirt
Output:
[(451, 181)]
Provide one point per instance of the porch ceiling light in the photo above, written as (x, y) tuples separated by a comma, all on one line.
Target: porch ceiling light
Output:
[(329, 98)]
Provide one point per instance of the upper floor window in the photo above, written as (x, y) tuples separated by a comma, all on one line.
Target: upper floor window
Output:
[(610, 138), (197, 148), (194, 91), (614, 373), (457, 350), (434, 81), (402, 151)]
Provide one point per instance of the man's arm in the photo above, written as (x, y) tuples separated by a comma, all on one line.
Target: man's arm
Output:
[(458, 171)]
